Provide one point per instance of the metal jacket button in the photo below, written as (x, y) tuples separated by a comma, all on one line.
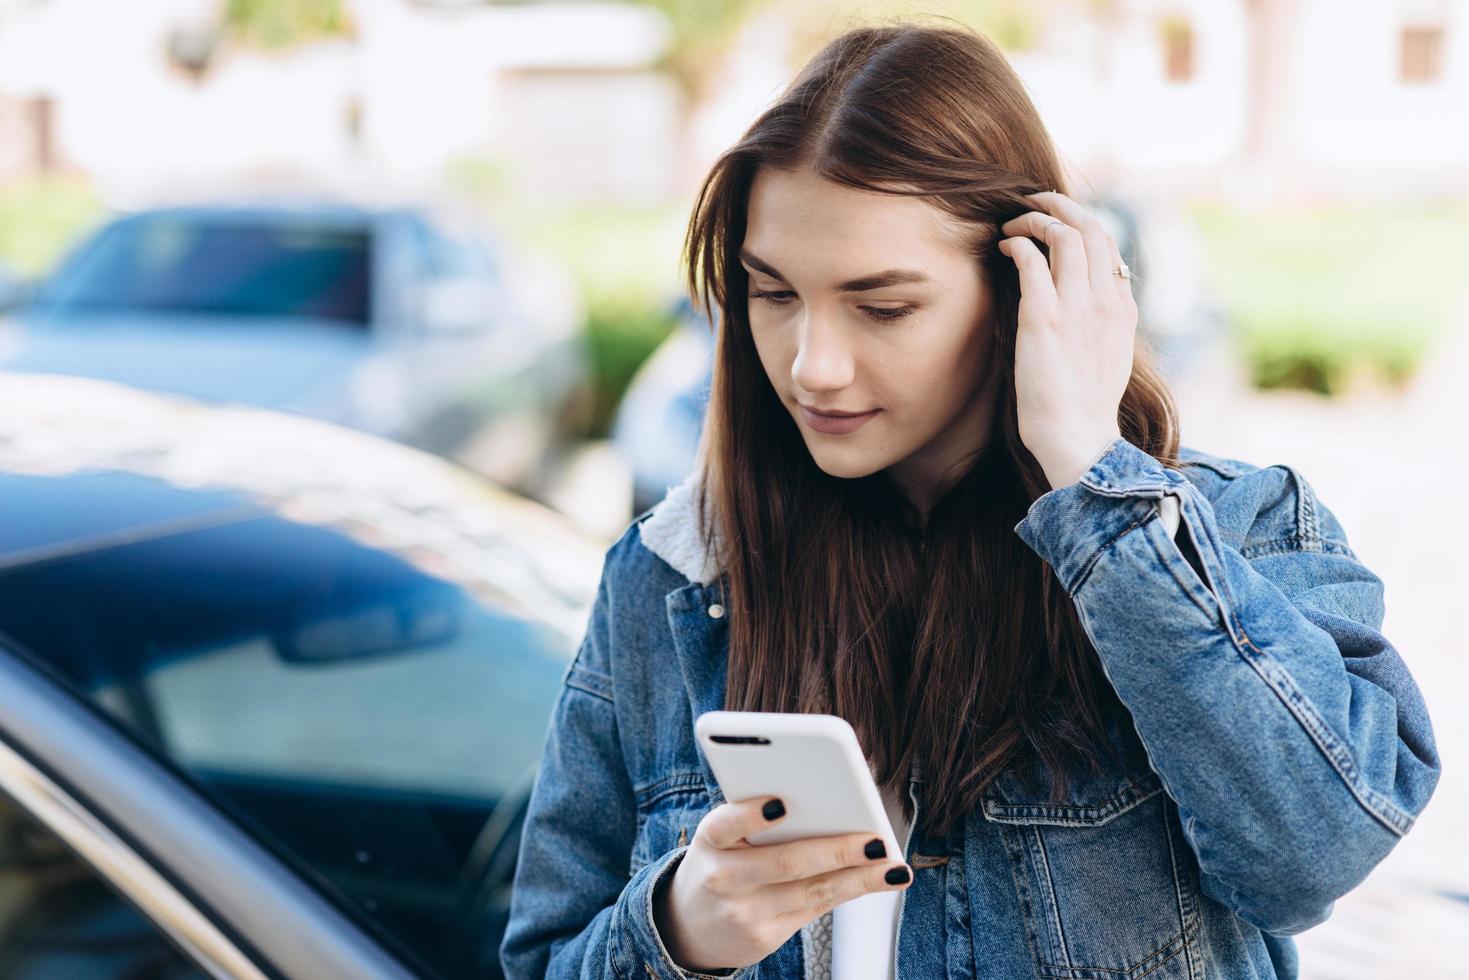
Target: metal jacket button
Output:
[(716, 611)]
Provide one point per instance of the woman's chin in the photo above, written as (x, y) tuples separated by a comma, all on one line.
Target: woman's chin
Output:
[(845, 464)]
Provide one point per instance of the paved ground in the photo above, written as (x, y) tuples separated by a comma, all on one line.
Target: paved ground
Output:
[(1394, 469)]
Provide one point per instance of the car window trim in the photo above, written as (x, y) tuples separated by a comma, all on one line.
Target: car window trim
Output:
[(220, 869), (107, 854)]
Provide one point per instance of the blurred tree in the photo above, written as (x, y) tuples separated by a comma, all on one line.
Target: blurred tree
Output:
[(40, 216), (1015, 25), (275, 24), (702, 30)]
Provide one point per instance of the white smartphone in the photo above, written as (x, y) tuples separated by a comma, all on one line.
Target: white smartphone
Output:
[(813, 762)]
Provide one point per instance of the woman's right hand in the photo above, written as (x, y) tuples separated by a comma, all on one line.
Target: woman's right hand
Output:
[(730, 903)]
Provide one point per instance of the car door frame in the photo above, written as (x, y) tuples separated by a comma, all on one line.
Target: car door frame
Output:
[(228, 902)]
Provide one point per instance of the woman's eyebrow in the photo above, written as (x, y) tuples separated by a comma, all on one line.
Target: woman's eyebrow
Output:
[(878, 280)]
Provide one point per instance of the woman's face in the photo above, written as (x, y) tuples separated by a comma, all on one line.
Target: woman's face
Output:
[(876, 308)]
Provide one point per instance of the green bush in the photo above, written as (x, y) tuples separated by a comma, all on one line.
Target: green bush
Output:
[(619, 337), (623, 257), (40, 217), (1318, 296), (273, 24)]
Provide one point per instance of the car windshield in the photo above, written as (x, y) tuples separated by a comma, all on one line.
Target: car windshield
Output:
[(374, 723), (194, 265)]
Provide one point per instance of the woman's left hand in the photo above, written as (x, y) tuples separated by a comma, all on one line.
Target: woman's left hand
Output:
[(1074, 345)]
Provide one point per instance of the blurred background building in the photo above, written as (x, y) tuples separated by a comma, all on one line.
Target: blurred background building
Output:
[(1293, 175), (1258, 100)]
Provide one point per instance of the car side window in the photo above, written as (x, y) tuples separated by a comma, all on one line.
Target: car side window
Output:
[(60, 918), (444, 254), (376, 725)]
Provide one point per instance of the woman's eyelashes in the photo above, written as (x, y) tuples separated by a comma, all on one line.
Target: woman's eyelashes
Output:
[(780, 297)]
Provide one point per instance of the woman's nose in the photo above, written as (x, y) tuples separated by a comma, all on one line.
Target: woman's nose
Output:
[(824, 360)]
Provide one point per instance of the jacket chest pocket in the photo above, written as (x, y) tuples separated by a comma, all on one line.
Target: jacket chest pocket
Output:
[(1105, 880), (669, 811)]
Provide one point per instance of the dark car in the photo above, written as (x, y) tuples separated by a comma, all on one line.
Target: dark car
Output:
[(384, 318), (272, 691)]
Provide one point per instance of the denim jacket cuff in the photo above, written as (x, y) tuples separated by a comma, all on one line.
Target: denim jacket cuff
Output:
[(640, 940), (1069, 526)]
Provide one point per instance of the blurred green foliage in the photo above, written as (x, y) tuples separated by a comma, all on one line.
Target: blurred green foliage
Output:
[(273, 24), (1014, 25), (619, 339), (701, 31), (40, 217), (625, 259), (1319, 296)]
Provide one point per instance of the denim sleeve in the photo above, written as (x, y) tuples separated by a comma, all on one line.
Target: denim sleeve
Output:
[(1279, 718), (574, 910)]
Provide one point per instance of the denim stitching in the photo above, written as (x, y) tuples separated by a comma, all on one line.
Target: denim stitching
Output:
[(688, 781), (1340, 757), (1301, 707), (1293, 542), (593, 682), (1068, 971), (1306, 517), (1221, 466), (1133, 792), (1162, 955), (1050, 888), (1186, 910), (1020, 875)]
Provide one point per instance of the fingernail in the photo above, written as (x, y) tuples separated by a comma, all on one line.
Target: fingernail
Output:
[(773, 809), (898, 875), (875, 848)]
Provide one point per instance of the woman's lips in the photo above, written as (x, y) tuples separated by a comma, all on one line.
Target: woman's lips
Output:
[(835, 424)]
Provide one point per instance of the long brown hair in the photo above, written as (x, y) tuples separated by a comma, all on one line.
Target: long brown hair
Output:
[(944, 638)]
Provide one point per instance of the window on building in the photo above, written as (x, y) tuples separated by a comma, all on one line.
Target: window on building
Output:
[(1422, 53), (43, 133), (1177, 37)]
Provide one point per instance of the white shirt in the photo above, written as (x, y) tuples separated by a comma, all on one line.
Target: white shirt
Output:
[(864, 930)]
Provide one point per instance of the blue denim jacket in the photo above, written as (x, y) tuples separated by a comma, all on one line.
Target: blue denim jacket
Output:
[(1279, 750)]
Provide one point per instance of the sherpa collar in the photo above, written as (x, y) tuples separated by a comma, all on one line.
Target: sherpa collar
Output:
[(671, 532)]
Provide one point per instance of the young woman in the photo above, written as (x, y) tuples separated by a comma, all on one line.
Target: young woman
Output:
[(1127, 701)]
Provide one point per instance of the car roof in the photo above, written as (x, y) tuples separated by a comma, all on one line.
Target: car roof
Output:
[(86, 464), (276, 211)]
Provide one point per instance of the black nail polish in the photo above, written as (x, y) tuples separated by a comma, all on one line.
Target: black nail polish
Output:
[(896, 876), (875, 848), (773, 809)]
